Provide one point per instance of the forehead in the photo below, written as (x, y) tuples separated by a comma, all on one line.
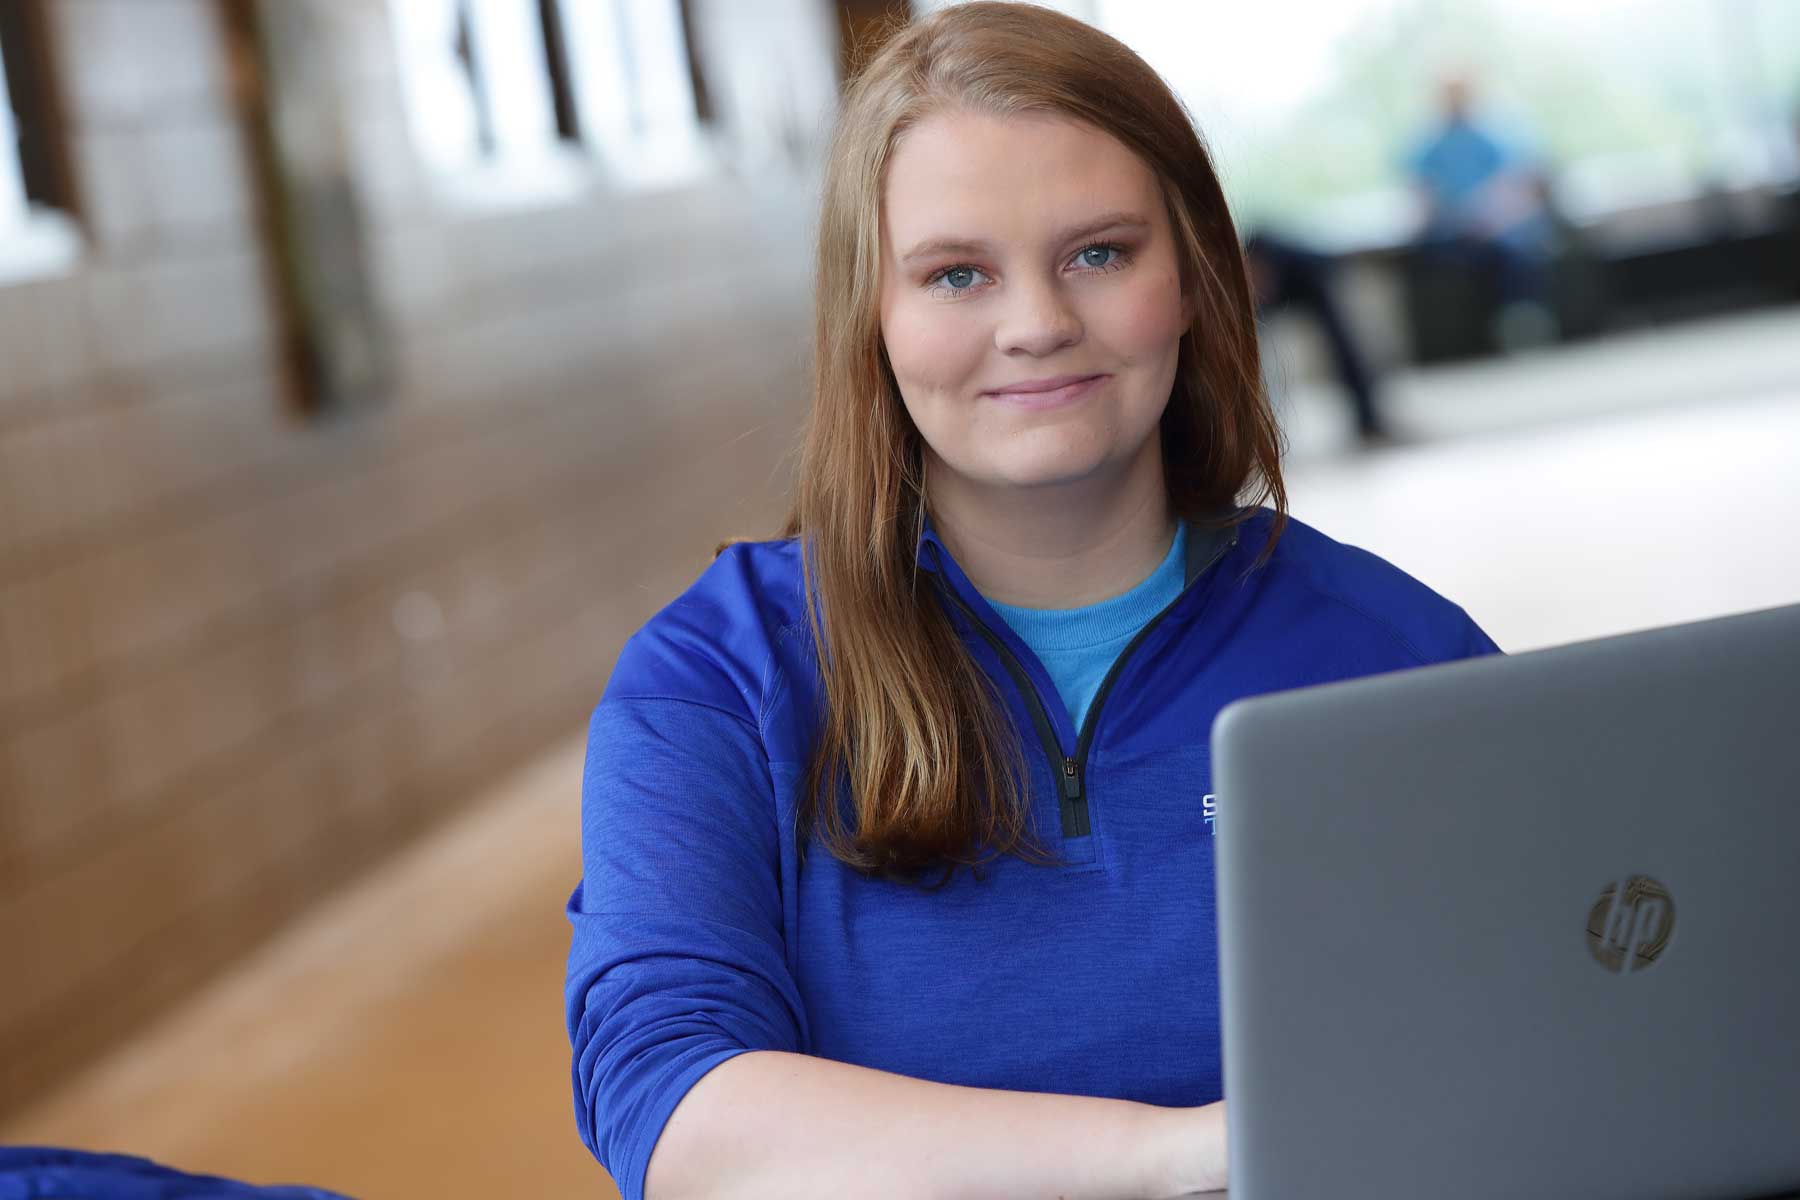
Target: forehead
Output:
[(970, 174)]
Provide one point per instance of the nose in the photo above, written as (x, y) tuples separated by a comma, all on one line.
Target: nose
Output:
[(1037, 321)]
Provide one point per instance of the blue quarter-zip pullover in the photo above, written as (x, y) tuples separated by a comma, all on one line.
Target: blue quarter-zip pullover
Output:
[(699, 934)]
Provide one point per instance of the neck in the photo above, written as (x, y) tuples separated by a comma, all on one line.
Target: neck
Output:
[(1059, 546)]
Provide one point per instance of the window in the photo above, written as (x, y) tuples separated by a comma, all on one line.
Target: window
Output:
[(477, 80), (518, 84), (36, 235), (634, 85), (13, 205), (1309, 105)]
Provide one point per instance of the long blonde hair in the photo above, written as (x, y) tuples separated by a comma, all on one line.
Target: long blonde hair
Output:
[(911, 723)]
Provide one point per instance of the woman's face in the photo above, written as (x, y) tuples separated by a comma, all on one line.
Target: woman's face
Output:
[(1031, 300)]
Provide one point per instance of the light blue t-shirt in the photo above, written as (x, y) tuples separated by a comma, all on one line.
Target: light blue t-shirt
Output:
[(1461, 157), (1078, 645)]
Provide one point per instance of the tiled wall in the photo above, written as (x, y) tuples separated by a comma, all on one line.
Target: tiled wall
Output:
[(243, 655)]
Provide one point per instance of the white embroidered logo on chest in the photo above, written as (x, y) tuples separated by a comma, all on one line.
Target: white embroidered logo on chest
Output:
[(1209, 808)]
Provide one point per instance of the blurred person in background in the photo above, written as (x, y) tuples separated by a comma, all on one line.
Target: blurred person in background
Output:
[(1485, 205), (896, 829), (1286, 274)]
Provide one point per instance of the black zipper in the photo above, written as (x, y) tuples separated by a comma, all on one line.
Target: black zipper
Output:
[(1074, 804), (1072, 771)]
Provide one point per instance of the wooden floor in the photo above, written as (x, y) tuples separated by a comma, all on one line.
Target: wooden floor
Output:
[(406, 1039)]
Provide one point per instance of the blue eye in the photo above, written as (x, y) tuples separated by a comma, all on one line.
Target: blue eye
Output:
[(955, 281), (1098, 257)]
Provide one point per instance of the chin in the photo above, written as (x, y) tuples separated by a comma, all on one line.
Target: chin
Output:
[(1039, 471)]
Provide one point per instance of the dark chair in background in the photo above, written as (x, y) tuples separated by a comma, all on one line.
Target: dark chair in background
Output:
[(1730, 256)]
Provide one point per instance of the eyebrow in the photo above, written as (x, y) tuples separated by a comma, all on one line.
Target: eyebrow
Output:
[(939, 246)]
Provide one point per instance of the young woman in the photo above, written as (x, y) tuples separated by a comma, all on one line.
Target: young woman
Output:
[(898, 870)]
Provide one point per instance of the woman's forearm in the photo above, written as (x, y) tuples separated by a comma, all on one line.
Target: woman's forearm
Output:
[(774, 1124)]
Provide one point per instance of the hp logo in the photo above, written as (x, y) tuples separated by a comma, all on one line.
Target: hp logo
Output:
[(1630, 924)]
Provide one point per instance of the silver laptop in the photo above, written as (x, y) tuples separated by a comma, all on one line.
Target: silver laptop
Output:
[(1520, 927)]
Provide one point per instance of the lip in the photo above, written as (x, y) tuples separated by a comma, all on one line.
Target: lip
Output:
[(1047, 393)]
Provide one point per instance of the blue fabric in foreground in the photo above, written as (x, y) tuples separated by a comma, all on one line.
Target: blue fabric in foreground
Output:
[(50, 1173)]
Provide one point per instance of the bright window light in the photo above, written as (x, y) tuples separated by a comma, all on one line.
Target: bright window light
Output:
[(632, 84), (474, 76), (13, 208), (1311, 105)]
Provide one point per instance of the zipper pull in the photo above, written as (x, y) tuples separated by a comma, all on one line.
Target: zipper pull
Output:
[(1071, 779)]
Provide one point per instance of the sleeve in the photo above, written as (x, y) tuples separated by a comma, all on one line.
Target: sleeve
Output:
[(677, 960)]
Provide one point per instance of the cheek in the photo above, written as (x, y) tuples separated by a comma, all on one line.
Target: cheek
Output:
[(1145, 322), (929, 346)]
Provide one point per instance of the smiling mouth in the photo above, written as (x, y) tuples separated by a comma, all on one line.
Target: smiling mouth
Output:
[(1047, 393)]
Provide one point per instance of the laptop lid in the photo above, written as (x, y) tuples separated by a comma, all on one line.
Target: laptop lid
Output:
[(1519, 926)]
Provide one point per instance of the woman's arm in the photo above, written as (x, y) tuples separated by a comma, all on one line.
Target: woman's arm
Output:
[(775, 1124)]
